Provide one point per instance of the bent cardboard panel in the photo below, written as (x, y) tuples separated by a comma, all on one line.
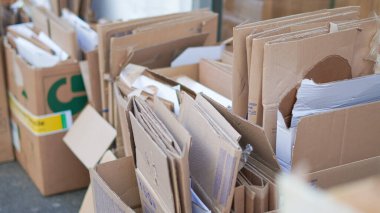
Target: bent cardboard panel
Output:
[(338, 137), (115, 187)]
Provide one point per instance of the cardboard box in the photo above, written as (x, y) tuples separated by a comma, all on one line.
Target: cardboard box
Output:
[(341, 135), (45, 90), (43, 102), (48, 161), (114, 186), (6, 150)]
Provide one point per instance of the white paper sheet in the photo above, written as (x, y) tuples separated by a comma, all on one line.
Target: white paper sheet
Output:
[(160, 90), (193, 55), (87, 37), (199, 88), (35, 55), (315, 98), (23, 29), (131, 9)]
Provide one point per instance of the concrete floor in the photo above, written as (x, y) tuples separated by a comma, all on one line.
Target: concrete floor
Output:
[(18, 194)]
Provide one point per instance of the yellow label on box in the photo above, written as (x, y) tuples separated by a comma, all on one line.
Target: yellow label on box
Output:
[(43, 124)]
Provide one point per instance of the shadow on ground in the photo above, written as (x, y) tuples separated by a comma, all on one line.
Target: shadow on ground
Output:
[(18, 194)]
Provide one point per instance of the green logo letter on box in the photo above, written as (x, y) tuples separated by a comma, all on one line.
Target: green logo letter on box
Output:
[(76, 104)]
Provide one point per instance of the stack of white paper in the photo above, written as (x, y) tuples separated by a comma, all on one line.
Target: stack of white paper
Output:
[(315, 98), (31, 52), (35, 55), (199, 88), (194, 55)]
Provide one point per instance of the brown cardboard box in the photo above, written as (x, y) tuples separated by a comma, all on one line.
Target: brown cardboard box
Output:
[(114, 186), (45, 90), (342, 136), (48, 161), (6, 150), (55, 94)]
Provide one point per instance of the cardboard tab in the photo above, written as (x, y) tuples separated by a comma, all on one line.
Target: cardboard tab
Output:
[(89, 137)]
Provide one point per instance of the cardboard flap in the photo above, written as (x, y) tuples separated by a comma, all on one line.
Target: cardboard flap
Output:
[(216, 76), (119, 175), (343, 136), (93, 74), (59, 31), (191, 71), (124, 106), (251, 134), (88, 200), (40, 20), (89, 137), (64, 36), (114, 180)]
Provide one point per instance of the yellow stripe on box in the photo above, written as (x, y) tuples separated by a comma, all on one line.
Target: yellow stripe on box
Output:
[(43, 124)]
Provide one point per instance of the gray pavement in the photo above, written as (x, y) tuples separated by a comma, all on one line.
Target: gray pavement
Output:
[(18, 194)]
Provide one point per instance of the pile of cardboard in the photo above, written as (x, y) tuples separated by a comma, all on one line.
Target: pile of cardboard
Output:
[(310, 81), (165, 119)]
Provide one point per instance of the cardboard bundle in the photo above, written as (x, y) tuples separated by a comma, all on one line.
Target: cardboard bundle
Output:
[(152, 42), (162, 155)]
